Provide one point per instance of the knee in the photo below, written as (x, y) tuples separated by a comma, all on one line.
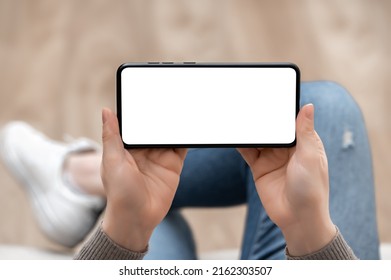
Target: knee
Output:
[(330, 98)]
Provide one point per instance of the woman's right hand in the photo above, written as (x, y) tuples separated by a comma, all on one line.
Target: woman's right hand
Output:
[(293, 186)]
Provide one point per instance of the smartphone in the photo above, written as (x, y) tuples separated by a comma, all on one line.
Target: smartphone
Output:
[(208, 104)]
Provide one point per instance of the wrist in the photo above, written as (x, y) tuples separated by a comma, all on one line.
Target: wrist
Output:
[(307, 237), (126, 230)]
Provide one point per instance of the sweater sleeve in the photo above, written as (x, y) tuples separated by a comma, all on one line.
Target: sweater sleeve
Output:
[(100, 247), (337, 249)]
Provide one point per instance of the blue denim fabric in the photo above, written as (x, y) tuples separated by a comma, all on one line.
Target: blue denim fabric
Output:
[(220, 177)]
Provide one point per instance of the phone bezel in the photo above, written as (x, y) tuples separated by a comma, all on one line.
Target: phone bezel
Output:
[(197, 64)]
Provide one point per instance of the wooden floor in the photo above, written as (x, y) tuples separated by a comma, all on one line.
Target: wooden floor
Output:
[(58, 61)]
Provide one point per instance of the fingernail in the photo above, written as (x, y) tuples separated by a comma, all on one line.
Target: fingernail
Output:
[(104, 115), (309, 113)]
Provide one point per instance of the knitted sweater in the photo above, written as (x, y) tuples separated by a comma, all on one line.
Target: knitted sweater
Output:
[(101, 247)]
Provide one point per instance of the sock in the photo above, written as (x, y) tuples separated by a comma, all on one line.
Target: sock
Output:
[(68, 180)]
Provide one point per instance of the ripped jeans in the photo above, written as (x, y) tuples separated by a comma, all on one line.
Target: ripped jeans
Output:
[(220, 177)]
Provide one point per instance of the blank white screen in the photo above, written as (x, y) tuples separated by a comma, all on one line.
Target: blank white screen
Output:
[(206, 105)]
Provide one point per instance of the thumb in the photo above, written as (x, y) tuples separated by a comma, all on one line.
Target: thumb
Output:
[(306, 134), (113, 148)]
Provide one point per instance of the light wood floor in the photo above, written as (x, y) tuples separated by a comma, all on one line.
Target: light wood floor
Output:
[(58, 61)]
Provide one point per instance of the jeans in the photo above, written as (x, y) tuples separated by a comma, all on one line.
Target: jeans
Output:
[(220, 177)]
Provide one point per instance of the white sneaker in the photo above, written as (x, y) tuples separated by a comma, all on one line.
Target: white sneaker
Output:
[(64, 215)]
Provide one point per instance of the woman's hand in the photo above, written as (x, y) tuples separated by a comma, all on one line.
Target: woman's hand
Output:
[(140, 185), (293, 186)]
